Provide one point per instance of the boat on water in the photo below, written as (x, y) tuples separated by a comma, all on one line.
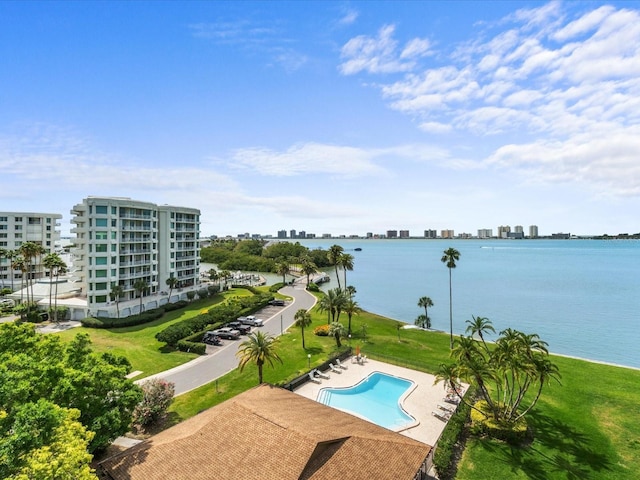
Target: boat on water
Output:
[(358, 249)]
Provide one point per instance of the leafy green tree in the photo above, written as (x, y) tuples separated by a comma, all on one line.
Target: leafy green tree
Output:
[(171, 283), (116, 292), (333, 255), (337, 331), (70, 375), (302, 320), (332, 302), (260, 348), (479, 326), (449, 258), (44, 442), (140, 286), (191, 295), (503, 374)]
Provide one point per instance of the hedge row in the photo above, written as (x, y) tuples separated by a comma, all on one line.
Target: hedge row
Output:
[(133, 320), (176, 332), (443, 456)]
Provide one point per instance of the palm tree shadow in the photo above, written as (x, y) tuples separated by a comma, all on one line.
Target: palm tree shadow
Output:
[(576, 459)]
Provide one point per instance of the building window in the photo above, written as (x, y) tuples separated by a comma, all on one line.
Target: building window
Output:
[(101, 273), (18, 219), (101, 286), (101, 248), (102, 209), (101, 260), (3, 227), (101, 298), (3, 219), (48, 220), (114, 210), (101, 235), (18, 235), (18, 227), (101, 222)]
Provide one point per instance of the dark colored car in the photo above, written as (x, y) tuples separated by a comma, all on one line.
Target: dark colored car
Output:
[(210, 338), (277, 302), (227, 333), (242, 328)]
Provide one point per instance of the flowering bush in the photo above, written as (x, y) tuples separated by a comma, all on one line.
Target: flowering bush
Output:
[(158, 395), (322, 330)]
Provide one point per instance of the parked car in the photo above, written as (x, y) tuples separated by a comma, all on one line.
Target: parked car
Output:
[(252, 320), (277, 302), (210, 338), (227, 333), (241, 327)]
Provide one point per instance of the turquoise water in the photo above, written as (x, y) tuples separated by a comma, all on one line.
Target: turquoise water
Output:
[(375, 398), (580, 296)]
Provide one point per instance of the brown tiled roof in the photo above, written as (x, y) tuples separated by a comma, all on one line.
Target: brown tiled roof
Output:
[(269, 433)]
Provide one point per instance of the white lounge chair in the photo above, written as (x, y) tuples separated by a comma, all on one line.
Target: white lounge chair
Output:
[(442, 416), (314, 379), (446, 408), (340, 364), (334, 369), (320, 374)]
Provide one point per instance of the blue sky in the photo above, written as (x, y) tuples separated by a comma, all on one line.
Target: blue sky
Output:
[(328, 117)]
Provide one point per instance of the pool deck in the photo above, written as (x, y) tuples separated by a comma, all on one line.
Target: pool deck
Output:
[(419, 403)]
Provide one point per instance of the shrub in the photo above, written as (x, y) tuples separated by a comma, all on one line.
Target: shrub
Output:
[(482, 423), (443, 455), (170, 307), (322, 330), (158, 395), (276, 286), (192, 347), (108, 322), (203, 293), (313, 287)]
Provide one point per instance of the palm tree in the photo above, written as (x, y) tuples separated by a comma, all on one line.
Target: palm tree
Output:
[(480, 326), (346, 263), (422, 321), (30, 251), (425, 302), (449, 258), (337, 331), (351, 308), (259, 347), (140, 286), (308, 268), (171, 283), (303, 320), (213, 275), (333, 255), (282, 268), (116, 293), (50, 262)]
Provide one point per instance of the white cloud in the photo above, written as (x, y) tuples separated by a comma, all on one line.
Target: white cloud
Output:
[(551, 83), (349, 17), (381, 54)]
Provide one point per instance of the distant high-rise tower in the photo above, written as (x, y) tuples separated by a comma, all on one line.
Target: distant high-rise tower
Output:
[(533, 231)]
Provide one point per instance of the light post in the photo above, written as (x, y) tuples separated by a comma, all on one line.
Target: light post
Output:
[(309, 360), (281, 328)]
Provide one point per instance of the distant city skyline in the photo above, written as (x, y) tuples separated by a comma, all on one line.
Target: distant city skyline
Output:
[(340, 117)]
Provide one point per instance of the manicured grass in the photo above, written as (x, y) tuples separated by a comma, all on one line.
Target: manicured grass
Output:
[(139, 345)]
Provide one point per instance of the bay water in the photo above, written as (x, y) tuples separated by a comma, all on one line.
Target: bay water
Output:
[(580, 296)]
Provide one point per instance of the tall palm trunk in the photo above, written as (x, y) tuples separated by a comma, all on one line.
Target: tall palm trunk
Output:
[(450, 313)]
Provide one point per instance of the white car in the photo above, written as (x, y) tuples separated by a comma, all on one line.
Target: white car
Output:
[(252, 320)]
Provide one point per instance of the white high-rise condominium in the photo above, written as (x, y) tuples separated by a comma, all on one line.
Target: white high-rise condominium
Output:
[(17, 228), (124, 242)]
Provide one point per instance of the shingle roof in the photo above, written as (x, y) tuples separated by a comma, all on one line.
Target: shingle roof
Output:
[(269, 433)]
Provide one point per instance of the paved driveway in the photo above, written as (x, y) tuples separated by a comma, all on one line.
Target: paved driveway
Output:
[(221, 360)]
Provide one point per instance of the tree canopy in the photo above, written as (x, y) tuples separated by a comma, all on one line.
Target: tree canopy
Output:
[(88, 388)]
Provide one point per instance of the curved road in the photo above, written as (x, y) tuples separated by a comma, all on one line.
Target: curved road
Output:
[(223, 359)]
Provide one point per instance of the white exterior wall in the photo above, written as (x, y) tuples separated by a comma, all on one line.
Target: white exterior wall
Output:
[(17, 228), (120, 241)]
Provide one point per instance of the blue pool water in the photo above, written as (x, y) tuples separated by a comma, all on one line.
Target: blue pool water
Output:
[(376, 398)]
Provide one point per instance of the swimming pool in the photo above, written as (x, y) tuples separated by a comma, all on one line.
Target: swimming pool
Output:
[(377, 398)]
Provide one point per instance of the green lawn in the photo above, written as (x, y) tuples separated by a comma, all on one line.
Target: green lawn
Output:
[(586, 428), (138, 343)]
